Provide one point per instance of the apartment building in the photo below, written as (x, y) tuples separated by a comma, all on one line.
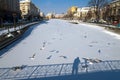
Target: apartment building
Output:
[(28, 9), (9, 9), (115, 10)]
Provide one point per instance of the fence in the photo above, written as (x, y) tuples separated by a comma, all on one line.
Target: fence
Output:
[(43, 71)]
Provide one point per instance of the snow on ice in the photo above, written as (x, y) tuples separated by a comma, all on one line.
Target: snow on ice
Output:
[(58, 41)]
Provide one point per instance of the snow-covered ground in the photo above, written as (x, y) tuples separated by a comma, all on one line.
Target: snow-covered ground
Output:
[(58, 41)]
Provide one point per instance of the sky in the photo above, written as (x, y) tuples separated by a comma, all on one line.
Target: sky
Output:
[(58, 6)]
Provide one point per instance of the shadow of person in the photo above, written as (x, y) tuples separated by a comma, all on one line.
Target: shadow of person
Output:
[(75, 66)]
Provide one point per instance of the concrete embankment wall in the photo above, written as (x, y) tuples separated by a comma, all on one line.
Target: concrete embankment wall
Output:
[(6, 40)]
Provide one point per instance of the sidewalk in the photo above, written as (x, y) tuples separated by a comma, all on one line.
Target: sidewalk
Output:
[(5, 31), (7, 38), (111, 28)]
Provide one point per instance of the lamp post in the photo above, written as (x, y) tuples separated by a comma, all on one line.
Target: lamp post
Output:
[(14, 20), (1, 22), (1, 19)]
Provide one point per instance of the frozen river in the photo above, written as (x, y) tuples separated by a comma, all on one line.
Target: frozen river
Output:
[(58, 41)]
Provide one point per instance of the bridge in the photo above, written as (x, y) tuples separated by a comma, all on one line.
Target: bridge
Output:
[(55, 70)]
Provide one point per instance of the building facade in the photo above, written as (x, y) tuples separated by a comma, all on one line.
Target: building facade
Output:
[(29, 10), (9, 9), (59, 16), (81, 13), (50, 15), (72, 10), (77, 15), (84, 12), (111, 12), (114, 11)]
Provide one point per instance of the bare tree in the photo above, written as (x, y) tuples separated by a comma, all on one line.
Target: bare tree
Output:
[(89, 15), (97, 4)]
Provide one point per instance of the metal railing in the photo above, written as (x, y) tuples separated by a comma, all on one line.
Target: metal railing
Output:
[(42, 71)]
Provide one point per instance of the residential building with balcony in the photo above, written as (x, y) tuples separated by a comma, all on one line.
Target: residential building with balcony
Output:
[(29, 10)]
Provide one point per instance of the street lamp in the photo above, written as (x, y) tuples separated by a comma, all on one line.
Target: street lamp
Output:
[(1, 22), (1, 18), (14, 18)]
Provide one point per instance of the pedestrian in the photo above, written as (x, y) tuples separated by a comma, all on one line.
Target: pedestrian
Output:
[(75, 66)]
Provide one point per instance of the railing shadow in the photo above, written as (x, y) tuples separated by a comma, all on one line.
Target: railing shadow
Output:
[(106, 70), (107, 75)]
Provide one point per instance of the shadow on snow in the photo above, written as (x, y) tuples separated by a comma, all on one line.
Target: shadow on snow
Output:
[(107, 75), (105, 70)]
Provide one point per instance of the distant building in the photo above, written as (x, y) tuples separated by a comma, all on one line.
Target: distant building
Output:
[(78, 13), (92, 12), (115, 10), (72, 10), (84, 12), (9, 9), (111, 12), (42, 14), (29, 10), (58, 16), (50, 16)]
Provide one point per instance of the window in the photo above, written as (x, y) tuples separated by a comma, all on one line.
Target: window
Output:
[(118, 11), (114, 11)]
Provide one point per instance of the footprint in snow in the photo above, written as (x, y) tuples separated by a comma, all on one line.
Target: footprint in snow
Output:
[(99, 51), (57, 51), (49, 57), (44, 44), (108, 43), (65, 57), (33, 56), (90, 45), (42, 48), (85, 36), (52, 51)]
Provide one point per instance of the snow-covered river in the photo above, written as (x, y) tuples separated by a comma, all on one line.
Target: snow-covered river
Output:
[(58, 41)]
